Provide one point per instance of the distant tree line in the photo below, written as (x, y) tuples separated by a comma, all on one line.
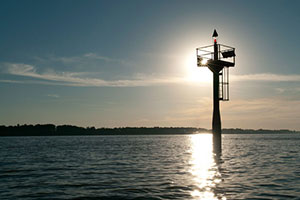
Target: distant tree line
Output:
[(258, 131), (52, 130)]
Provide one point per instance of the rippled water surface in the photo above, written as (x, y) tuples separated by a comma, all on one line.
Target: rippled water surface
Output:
[(150, 167)]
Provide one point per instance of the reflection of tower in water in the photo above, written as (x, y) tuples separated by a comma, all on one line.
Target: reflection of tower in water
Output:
[(204, 167), (218, 58)]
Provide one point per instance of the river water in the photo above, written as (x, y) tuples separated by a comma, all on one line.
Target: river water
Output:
[(150, 167)]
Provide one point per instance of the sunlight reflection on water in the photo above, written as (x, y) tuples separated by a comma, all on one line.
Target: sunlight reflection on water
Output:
[(252, 166), (204, 168)]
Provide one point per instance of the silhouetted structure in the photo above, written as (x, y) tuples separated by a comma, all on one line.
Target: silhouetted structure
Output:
[(218, 58)]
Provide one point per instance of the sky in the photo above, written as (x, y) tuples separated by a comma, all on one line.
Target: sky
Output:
[(133, 63)]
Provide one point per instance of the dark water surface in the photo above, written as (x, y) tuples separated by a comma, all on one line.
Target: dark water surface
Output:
[(150, 167)]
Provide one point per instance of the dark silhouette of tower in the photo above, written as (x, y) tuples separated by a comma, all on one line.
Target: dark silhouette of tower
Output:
[(218, 58)]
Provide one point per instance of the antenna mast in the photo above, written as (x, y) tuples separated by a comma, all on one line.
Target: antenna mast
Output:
[(218, 58)]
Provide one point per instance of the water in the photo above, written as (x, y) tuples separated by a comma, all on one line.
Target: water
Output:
[(150, 167)]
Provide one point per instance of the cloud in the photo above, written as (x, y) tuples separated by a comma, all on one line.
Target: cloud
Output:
[(53, 95), (78, 79), (289, 89), (87, 57), (10, 81), (82, 79), (266, 77), (271, 113), (104, 58)]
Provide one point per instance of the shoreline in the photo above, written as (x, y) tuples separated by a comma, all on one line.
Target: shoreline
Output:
[(70, 130)]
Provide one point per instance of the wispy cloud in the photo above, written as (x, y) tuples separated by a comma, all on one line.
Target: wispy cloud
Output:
[(272, 113), (10, 81), (104, 58), (53, 95), (266, 77), (78, 79), (87, 57), (82, 79)]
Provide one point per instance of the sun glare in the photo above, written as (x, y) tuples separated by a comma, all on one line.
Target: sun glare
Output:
[(203, 167), (195, 73)]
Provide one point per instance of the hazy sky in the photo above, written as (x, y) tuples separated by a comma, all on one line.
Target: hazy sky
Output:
[(132, 63)]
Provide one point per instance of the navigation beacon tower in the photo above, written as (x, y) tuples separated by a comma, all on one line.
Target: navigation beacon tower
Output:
[(218, 58)]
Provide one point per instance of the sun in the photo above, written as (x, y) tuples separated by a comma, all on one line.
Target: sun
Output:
[(195, 73)]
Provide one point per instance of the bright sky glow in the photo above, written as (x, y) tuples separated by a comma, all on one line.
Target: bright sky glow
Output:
[(197, 74)]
